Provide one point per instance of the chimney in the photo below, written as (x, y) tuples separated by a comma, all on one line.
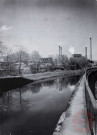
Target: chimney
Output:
[(90, 49), (86, 52)]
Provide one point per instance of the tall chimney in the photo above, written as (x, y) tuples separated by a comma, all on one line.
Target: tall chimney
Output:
[(86, 52), (90, 49), (61, 51)]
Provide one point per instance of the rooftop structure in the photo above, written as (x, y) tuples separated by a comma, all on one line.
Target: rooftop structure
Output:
[(47, 60), (77, 55)]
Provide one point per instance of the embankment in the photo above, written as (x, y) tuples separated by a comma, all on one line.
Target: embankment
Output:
[(12, 82), (9, 83), (45, 75)]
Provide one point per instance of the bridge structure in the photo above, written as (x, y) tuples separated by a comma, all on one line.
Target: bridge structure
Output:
[(81, 115)]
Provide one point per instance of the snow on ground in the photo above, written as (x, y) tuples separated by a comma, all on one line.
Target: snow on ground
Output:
[(73, 122), (45, 75), (39, 76)]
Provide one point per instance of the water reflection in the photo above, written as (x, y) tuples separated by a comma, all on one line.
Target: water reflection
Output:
[(35, 108)]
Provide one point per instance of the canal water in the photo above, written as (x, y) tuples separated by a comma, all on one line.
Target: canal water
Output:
[(35, 108)]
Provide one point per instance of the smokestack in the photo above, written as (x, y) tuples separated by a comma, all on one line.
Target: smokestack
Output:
[(86, 52), (90, 49), (61, 51), (60, 54)]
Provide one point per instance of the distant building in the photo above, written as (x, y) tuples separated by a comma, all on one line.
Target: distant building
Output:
[(47, 60), (77, 55)]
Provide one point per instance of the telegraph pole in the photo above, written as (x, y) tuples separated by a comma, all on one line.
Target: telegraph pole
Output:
[(90, 48)]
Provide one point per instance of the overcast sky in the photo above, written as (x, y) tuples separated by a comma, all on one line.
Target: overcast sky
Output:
[(43, 25)]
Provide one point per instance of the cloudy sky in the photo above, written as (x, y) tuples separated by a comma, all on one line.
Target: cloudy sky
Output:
[(43, 25)]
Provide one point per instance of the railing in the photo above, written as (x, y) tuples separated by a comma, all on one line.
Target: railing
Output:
[(91, 102)]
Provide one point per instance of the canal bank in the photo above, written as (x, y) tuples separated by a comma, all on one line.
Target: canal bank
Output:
[(12, 82), (74, 121), (45, 75)]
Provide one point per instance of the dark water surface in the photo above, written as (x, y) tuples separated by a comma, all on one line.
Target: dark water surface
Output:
[(35, 108)]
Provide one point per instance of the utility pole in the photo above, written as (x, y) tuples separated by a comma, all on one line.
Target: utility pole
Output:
[(90, 48)]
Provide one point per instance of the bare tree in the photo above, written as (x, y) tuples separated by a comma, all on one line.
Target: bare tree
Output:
[(15, 57), (35, 56), (8, 59), (2, 49), (64, 60), (22, 56), (4, 55)]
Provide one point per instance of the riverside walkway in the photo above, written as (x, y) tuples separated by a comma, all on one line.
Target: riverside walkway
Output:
[(80, 117)]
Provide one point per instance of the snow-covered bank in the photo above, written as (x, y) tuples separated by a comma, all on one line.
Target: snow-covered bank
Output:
[(66, 125), (45, 75)]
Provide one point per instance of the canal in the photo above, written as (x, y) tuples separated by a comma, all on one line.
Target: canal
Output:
[(35, 108)]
